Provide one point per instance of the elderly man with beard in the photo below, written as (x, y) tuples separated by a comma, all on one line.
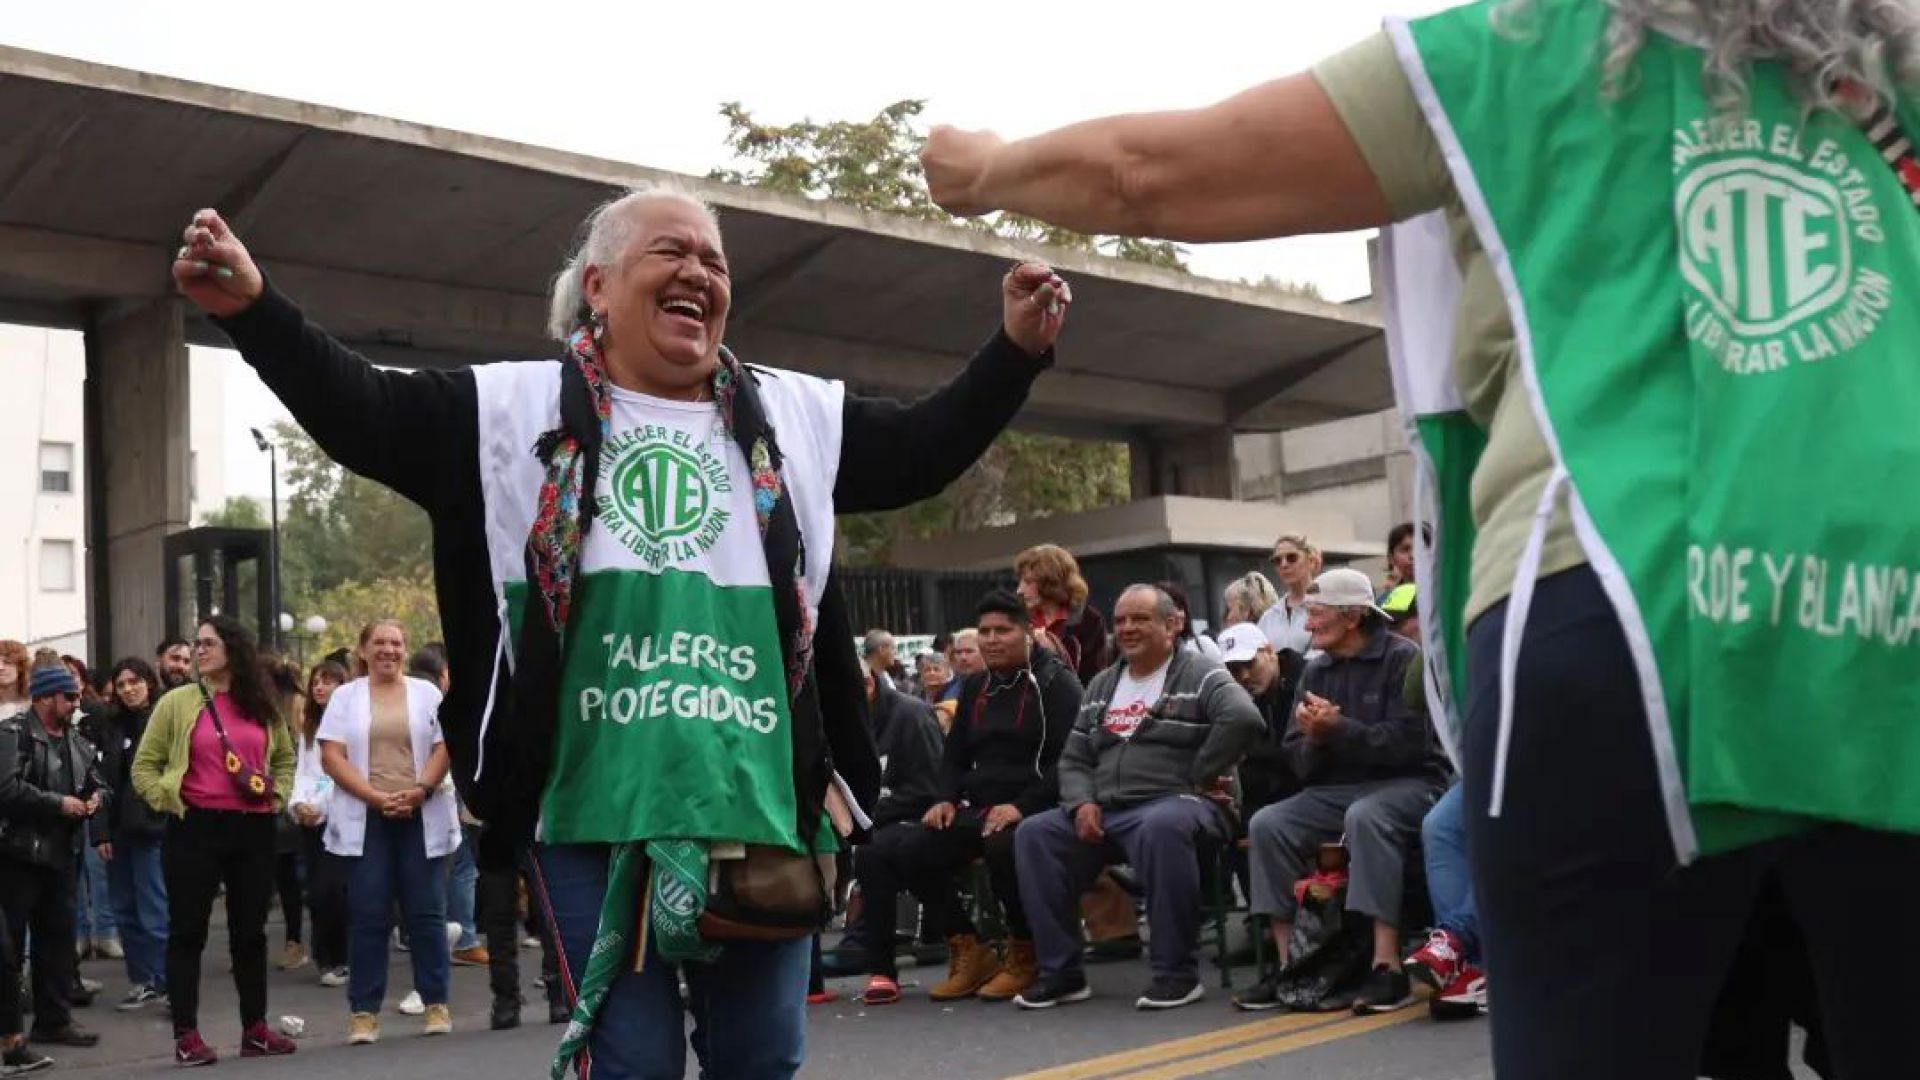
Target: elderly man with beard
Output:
[(1155, 731)]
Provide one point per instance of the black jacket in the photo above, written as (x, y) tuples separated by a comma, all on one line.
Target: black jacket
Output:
[(1382, 736), (1004, 745), (36, 774), (908, 738), (116, 734), (1266, 776), (418, 433)]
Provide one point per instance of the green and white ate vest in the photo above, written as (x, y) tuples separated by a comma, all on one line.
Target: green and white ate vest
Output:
[(1717, 319), (673, 715)]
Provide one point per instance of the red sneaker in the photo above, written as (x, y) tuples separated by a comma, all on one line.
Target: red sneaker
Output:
[(189, 1050), (1437, 963), (262, 1041), (1465, 996), (823, 997)]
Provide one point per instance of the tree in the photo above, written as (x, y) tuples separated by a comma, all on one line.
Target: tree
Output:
[(238, 512), (875, 165), (348, 544)]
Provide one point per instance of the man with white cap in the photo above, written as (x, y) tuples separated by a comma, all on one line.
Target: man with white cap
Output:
[(1372, 767), (1270, 677)]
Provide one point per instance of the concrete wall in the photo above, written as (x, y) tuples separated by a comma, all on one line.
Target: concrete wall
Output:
[(1357, 471), (43, 373)]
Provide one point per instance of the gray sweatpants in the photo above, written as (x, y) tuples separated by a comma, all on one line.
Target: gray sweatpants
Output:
[(1381, 821), (1157, 839)]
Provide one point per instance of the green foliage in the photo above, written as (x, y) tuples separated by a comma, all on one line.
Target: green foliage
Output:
[(348, 545), (238, 512), (875, 165)]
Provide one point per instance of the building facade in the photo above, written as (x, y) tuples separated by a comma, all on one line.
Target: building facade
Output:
[(43, 528)]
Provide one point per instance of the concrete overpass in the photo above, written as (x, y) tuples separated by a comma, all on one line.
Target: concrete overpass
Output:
[(428, 247)]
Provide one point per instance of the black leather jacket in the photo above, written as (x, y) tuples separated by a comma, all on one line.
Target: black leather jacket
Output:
[(36, 773)]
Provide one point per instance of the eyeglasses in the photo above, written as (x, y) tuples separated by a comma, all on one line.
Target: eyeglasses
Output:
[(1285, 558)]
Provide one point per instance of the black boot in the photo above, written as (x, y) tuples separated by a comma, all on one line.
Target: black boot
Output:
[(506, 1013)]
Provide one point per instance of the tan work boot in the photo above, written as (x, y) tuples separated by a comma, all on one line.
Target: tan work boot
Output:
[(971, 964), (1017, 974)]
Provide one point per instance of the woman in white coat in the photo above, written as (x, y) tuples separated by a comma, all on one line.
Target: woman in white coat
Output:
[(389, 821)]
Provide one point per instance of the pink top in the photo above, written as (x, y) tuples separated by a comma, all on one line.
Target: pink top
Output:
[(207, 785)]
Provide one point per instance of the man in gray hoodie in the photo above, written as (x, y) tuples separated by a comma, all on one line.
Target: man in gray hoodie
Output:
[(1156, 732)]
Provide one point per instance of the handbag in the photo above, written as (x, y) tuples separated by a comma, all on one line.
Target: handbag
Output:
[(766, 893), (251, 784), (757, 892)]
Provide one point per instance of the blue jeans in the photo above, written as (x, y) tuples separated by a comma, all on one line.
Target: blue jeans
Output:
[(393, 865), (1443, 840), (461, 878), (93, 905), (749, 1006), (139, 890)]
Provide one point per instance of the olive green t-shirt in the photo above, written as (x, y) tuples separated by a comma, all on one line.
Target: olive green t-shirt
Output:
[(1371, 92)]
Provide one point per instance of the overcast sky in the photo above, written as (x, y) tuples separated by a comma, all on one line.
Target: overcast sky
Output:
[(643, 82)]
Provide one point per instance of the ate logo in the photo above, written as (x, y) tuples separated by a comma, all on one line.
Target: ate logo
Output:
[(1781, 243), (1765, 243), (665, 495)]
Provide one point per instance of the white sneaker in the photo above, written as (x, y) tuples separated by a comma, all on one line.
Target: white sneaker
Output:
[(334, 977), (411, 1005)]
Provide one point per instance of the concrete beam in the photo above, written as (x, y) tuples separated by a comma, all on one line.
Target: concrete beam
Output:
[(1070, 395), (1254, 394), (139, 359)]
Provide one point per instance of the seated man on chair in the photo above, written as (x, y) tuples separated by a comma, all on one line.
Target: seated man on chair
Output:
[(1372, 767), (1156, 732)]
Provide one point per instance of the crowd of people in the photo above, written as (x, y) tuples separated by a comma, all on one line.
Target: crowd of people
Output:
[(219, 770), (643, 529), (1055, 764)]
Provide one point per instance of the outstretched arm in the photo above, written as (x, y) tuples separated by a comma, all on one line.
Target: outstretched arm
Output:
[(397, 428), (1276, 160)]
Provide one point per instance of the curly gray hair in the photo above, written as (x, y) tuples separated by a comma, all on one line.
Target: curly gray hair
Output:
[(605, 234), (1821, 43)]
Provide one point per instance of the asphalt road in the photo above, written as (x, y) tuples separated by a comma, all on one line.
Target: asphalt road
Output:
[(1102, 1039)]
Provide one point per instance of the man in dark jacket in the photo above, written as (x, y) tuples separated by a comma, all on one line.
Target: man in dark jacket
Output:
[(1372, 768), (1270, 677), (907, 736), (997, 769), (50, 795), (1155, 732)]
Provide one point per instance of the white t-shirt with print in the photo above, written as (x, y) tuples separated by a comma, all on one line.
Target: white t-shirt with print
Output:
[(1133, 699)]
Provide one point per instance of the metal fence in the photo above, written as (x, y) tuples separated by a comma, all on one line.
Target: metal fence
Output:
[(916, 601)]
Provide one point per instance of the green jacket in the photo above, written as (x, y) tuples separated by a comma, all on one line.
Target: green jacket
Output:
[(166, 749)]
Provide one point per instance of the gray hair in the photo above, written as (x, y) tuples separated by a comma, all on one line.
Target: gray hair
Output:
[(1164, 607), (1820, 43), (1253, 592), (604, 235)]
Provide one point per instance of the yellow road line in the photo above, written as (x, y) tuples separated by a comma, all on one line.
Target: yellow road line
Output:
[(1270, 1048), (1178, 1048)]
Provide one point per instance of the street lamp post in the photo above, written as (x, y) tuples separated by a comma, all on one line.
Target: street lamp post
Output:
[(273, 568)]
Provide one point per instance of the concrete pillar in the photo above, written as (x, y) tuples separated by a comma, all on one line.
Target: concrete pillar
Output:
[(137, 383), (1199, 464)]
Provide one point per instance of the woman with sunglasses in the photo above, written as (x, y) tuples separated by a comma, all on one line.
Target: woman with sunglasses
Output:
[(1296, 562), (218, 757)]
